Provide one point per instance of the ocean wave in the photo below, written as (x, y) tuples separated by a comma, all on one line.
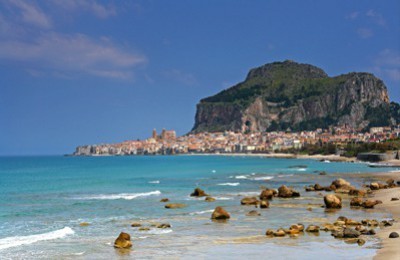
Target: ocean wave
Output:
[(248, 193), (263, 178), (201, 212), (285, 175), (241, 177), (155, 182), (26, 240), (223, 198), (125, 196), (157, 231), (229, 184)]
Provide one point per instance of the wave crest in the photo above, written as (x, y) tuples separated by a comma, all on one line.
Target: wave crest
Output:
[(125, 196), (26, 240)]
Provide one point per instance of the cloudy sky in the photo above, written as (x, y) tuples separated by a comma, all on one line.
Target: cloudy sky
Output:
[(84, 71)]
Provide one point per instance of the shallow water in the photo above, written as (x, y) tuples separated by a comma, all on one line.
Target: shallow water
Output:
[(44, 200)]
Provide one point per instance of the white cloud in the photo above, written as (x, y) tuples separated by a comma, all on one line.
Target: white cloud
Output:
[(29, 13), (75, 53), (92, 6), (376, 17), (365, 33)]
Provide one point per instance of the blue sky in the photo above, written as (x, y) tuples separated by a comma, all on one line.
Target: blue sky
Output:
[(84, 71)]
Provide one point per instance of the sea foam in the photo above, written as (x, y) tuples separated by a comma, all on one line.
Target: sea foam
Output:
[(229, 184), (154, 182), (263, 178), (201, 212), (26, 240), (125, 196)]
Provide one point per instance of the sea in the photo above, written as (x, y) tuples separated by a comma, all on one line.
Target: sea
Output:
[(56, 207)]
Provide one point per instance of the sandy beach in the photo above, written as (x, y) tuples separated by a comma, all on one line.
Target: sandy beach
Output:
[(390, 246)]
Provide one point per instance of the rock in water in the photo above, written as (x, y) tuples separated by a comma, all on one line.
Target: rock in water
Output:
[(198, 193), (356, 202), (394, 235), (267, 194), (249, 201), (123, 241), (220, 214), (286, 192), (264, 204), (175, 205), (164, 200), (209, 199), (333, 201)]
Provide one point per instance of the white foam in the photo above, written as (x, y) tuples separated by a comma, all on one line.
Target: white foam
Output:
[(125, 196), (301, 169), (155, 182), (223, 198), (157, 231), (201, 212), (249, 193), (213, 171), (264, 178), (395, 171), (229, 184), (285, 175), (241, 177), (26, 240)]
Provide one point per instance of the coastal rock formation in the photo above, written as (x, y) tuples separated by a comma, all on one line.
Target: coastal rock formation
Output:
[(175, 205), (264, 204), (268, 194), (123, 241), (198, 193), (287, 94), (249, 201), (333, 201), (209, 199), (220, 214), (286, 192)]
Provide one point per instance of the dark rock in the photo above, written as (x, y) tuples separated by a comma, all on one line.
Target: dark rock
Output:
[(264, 204), (267, 194), (220, 214), (394, 199), (351, 233), (163, 225), (123, 241), (285, 192), (209, 199), (175, 205), (198, 193), (249, 201), (369, 204), (164, 200), (136, 225), (312, 229), (394, 235), (332, 201), (356, 202)]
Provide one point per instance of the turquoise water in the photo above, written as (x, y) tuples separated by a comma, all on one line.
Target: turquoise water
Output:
[(44, 199)]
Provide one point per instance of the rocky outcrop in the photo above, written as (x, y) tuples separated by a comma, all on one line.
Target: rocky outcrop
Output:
[(123, 241), (287, 94), (198, 193), (333, 201), (220, 214), (287, 192)]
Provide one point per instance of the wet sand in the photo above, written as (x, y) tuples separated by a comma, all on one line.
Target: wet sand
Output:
[(390, 246)]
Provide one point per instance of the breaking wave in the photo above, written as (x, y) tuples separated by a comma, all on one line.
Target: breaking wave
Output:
[(26, 240), (124, 196), (229, 184)]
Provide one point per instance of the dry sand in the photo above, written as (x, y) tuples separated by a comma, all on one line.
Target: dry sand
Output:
[(390, 246)]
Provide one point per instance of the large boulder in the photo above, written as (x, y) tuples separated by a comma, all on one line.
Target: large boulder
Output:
[(220, 214), (249, 201), (123, 241), (356, 192), (174, 205), (374, 186), (209, 199), (341, 184), (333, 201), (267, 194), (369, 204), (356, 202), (198, 193), (350, 233), (286, 192), (264, 204)]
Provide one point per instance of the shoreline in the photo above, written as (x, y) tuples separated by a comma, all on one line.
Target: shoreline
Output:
[(390, 248)]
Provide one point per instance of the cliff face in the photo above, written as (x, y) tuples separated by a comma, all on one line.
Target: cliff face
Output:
[(286, 94)]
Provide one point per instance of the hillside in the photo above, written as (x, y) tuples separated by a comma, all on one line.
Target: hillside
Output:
[(283, 95)]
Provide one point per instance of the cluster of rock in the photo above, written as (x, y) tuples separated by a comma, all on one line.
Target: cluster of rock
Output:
[(342, 228)]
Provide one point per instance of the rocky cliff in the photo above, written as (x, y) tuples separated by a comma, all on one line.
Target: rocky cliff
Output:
[(283, 95)]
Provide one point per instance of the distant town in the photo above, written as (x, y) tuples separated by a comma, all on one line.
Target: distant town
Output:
[(167, 143)]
